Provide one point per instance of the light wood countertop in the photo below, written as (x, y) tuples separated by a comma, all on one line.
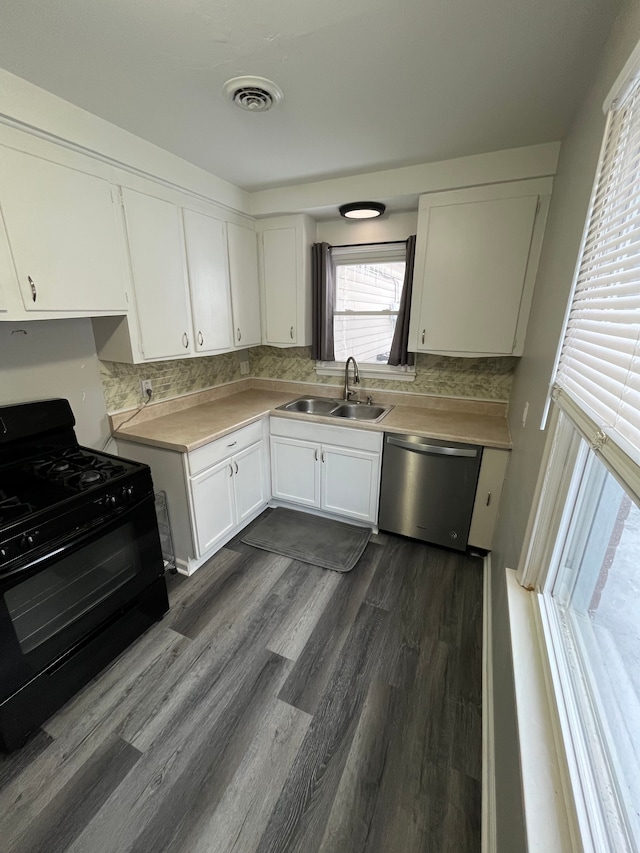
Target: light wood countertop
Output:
[(190, 428)]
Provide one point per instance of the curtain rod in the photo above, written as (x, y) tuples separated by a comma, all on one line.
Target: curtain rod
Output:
[(376, 243)]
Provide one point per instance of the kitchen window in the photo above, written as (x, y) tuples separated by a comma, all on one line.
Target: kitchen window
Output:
[(369, 280), (582, 558)]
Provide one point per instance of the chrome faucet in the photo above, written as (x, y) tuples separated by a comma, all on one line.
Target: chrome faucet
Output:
[(356, 376)]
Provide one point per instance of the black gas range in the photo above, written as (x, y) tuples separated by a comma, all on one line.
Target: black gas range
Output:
[(81, 569)]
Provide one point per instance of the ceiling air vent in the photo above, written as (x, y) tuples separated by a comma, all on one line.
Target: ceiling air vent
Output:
[(253, 93)]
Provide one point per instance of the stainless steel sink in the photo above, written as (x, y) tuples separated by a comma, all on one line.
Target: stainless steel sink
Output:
[(310, 405), (360, 411), (336, 409)]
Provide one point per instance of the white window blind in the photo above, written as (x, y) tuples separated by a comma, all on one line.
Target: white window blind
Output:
[(599, 364)]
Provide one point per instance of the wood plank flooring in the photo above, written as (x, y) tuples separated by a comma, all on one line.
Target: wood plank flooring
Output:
[(278, 707)]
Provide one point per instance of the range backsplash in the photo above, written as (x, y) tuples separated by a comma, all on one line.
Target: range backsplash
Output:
[(474, 378)]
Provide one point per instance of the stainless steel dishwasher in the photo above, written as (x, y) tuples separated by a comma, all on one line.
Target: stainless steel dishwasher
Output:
[(428, 488)]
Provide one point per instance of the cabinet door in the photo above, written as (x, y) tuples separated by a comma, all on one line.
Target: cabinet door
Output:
[(294, 471), (212, 505), (63, 232), (493, 471), (156, 249), (350, 482), (245, 295), (279, 268), (473, 261), (249, 481), (208, 266)]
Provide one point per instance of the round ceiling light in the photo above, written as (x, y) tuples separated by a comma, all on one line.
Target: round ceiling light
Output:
[(362, 210), (254, 94)]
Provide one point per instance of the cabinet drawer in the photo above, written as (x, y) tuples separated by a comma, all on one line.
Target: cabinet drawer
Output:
[(358, 439), (216, 451)]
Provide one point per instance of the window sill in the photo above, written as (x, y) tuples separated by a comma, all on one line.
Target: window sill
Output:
[(550, 827), (368, 371)]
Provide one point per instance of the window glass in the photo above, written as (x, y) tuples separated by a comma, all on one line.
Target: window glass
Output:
[(366, 309), (597, 592)]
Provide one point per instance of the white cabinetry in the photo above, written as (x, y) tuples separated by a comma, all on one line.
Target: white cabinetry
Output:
[(493, 471), (477, 253), (245, 292), (180, 262), (158, 266), (63, 231), (332, 469), (285, 278), (208, 266), (212, 492)]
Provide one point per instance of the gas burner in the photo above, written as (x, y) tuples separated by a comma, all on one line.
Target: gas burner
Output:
[(89, 477), (12, 508), (84, 480)]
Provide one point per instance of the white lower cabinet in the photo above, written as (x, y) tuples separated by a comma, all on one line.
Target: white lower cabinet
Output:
[(493, 471), (212, 492), (212, 504), (332, 469)]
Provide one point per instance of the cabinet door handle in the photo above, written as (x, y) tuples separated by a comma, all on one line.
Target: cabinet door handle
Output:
[(185, 340), (291, 333), (200, 338), (488, 498), (323, 455), (423, 331), (230, 469), (236, 466), (32, 285), (239, 334), (315, 454)]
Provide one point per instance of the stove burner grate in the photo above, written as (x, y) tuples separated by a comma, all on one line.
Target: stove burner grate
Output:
[(11, 509)]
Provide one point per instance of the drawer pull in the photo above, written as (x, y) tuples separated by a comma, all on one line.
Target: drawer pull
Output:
[(233, 444)]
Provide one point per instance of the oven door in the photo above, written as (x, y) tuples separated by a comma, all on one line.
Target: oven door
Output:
[(53, 605)]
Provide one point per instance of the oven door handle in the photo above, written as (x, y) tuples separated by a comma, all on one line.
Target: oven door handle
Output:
[(69, 544)]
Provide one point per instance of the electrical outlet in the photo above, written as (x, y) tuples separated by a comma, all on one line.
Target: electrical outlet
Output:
[(244, 368), (147, 390)]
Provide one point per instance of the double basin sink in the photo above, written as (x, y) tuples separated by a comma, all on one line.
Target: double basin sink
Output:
[(345, 409)]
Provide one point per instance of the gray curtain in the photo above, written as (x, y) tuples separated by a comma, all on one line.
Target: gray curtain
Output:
[(399, 353), (323, 296)]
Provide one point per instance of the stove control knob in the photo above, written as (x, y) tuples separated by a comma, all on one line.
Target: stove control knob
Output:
[(127, 494), (111, 501), (4, 554), (28, 540)]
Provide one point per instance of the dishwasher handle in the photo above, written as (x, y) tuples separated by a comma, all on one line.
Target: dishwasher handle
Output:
[(433, 449)]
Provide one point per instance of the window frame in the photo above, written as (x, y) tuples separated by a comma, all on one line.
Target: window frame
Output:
[(565, 725), (357, 255)]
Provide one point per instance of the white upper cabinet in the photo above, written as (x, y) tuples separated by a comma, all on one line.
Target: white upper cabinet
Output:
[(158, 267), (245, 294), (62, 226), (285, 278), (208, 266), (476, 259)]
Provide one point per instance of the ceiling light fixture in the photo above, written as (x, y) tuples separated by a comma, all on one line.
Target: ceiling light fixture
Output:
[(362, 210), (255, 94)]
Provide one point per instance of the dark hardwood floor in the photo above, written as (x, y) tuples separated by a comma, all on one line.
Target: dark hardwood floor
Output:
[(278, 707)]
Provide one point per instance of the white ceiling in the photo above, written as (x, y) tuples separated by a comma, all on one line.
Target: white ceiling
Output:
[(368, 84)]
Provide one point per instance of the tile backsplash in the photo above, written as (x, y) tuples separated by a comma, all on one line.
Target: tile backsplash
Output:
[(476, 378), (121, 382), (472, 378)]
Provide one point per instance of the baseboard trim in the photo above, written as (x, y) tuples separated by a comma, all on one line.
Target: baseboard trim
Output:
[(489, 841)]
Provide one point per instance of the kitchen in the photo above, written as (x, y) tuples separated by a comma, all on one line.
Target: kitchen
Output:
[(45, 356)]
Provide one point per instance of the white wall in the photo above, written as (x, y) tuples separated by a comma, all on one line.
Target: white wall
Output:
[(55, 358), (391, 226), (569, 203)]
